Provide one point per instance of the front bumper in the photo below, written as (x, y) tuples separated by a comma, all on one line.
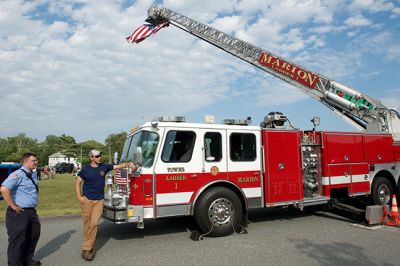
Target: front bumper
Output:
[(123, 214)]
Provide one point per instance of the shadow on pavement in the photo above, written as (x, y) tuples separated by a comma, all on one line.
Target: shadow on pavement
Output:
[(333, 253), (174, 225), (54, 244), (108, 230), (276, 214), (340, 215), (281, 214)]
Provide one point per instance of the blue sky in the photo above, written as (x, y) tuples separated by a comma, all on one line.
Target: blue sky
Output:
[(65, 66)]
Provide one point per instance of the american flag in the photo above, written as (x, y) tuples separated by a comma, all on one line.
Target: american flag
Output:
[(144, 31), (120, 178)]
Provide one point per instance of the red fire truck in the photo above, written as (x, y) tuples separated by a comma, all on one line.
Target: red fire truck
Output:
[(217, 172)]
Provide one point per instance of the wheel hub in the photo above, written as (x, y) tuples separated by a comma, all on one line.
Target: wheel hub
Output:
[(220, 211), (384, 194)]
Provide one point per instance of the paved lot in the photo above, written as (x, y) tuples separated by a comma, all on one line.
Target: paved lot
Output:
[(275, 237)]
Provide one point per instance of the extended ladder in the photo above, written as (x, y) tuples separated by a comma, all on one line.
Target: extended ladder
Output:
[(361, 111)]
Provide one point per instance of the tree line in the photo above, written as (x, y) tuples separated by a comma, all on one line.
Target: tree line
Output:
[(12, 148)]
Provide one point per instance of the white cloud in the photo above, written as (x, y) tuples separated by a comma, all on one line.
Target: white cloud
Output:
[(383, 44), (322, 29), (371, 74), (274, 93), (291, 11), (334, 64), (65, 66), (228, 24), (352, 33), (395, 12), (328, 29), (205, 10), (373, 6), (393, 100), (357, 21), (95, 74)]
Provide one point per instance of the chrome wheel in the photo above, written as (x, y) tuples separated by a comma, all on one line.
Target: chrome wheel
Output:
[(220, 212), (384, 194)]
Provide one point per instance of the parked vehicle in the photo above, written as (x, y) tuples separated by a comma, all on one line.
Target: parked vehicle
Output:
[(6, 169), (62, 168)]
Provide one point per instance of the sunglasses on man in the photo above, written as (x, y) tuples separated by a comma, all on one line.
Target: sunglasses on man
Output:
[(97, 156)]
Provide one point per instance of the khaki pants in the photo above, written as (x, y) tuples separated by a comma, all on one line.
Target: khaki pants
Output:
[(91, 212)]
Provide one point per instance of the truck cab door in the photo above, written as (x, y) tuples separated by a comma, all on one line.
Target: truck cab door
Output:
[(178, 168), (244, 163), (214, 155)]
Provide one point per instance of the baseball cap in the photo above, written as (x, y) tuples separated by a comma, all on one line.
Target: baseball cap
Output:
[(94, 152)]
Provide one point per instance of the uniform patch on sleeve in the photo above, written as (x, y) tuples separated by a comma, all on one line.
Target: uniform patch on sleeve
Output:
[(14, 175)]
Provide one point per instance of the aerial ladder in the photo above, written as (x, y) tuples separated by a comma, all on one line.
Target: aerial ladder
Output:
[(358, 109)]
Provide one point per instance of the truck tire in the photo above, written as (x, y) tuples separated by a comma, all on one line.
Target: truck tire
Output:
[(398, 189), (218, 212), (382, 191)]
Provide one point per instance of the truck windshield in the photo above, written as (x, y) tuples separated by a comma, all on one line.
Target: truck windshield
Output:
[(147, 141)]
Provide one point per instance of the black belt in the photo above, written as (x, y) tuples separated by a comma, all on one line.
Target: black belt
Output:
[(30, 208)]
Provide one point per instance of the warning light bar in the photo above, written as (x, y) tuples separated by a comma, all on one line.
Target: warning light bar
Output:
[(240, 122), (170, 119)]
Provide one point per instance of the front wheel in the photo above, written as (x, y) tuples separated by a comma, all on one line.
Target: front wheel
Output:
[(218, 212), (382, 191)]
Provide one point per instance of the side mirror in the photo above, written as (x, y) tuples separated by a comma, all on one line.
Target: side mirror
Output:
[(116, 157), (138, 157)]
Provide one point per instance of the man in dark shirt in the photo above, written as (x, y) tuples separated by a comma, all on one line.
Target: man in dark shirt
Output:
[(93, 178)]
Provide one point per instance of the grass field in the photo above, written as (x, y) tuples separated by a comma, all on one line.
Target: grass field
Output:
[(56, 197)]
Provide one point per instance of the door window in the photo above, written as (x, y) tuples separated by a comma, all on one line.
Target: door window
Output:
[(178, 146), (213, 146), (242, 147)]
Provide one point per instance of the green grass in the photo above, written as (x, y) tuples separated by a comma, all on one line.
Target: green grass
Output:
[(56, 198)]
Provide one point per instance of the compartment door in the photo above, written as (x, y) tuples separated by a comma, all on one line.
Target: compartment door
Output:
[(282, 166)]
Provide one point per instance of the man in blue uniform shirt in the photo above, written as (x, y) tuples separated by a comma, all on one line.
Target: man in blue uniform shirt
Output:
[(93, 178), (20, 190)]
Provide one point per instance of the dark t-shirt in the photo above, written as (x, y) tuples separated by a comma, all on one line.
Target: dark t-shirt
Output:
[(94, 180)]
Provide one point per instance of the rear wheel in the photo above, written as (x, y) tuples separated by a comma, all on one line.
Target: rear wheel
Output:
[(382, 191), (398, 190), (218, 212)]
